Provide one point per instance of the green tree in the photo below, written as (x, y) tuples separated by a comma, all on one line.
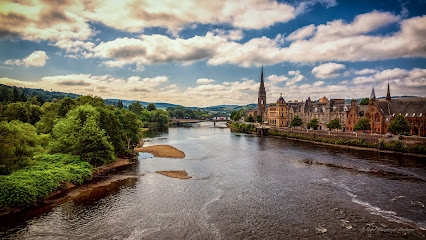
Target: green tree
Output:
[(259, 119), (110, 122), (23, 97), (296, 121), (136, 107), (65, 105), (151, 107), (18, 143), (120, 104), (93, 101), (15, 95), (79, 133), (364, 101), (363, 124), (16, 111), (313, 124), (4, 94), (160, 116), (250, 118), (49, 117), (34, 113), (334, 124), (399, 125), (145, 115), (131, 128)]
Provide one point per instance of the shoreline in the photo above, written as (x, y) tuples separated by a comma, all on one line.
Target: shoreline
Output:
[(59, 195), (232, 128), (349, 146)]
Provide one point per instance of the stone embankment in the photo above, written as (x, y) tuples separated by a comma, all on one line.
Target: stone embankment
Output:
[(369, 138)]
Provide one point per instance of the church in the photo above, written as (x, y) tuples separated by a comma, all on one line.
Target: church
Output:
[(274, 114)]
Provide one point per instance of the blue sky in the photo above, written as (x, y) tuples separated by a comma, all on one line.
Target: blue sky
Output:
[(197, 53)]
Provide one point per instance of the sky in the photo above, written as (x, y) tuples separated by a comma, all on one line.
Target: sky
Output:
[(206, 53)]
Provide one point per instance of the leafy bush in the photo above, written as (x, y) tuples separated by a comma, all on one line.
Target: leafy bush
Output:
[(79, 134), (51, 172), (18, 143)]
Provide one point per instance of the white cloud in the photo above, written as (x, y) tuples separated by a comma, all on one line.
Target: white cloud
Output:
[(365, 71), (334, 41), (134, 16), (414, 77), (44, 20), (318, 83), (204, 81), (327, 70), (37, 59), (297, 77), (302, 33)]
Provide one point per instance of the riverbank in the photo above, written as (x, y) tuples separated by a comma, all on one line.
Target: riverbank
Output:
[(165, 151), (96, 175), (359, 143)]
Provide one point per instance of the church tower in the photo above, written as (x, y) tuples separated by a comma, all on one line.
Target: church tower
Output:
[(388, 96), (261, 100)]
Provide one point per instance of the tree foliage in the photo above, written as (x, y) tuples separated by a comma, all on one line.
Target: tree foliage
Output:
[(79, 133), (296, 121), (136, 107), (151, 107), (399, 125), (363, 124), (334, 124), (250, 118), (259, 119), (18, 143), (364, 101), (313, 124)]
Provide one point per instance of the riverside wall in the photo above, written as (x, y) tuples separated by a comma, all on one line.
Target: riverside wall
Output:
[(369, 138)]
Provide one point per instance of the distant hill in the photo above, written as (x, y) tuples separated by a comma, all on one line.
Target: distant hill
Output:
[(48, 96), (128, 102)]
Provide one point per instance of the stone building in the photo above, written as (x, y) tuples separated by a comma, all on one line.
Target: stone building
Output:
[(381, 113), (324, 110), (277, 113)]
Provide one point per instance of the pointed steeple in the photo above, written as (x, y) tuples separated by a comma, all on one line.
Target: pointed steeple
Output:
[(262, 91), (388, 96), (373, 95)]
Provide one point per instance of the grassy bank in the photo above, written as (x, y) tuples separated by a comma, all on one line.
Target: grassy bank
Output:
[(241, 127), (50, 172)]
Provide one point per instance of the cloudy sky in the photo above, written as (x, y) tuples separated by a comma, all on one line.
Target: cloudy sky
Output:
[(204, 53)]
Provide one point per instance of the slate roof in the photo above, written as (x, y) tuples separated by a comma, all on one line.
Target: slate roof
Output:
[(405, 108)]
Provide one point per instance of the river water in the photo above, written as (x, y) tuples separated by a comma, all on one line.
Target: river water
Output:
[(242, 187)]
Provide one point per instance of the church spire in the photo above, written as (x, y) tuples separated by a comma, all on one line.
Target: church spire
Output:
[(388, 96), (373, 95), (262, 91)]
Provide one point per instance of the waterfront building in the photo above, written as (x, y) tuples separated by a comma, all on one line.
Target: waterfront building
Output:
[(382, 112), (277, 113)]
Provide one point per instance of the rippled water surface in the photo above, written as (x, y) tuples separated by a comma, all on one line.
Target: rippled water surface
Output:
[(242, 187)]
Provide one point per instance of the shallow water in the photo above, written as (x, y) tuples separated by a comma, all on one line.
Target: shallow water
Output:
[(242, 187)]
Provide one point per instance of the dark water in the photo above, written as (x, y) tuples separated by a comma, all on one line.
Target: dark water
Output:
[(243, 187)]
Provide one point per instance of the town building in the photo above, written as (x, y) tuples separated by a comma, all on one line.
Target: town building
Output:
[(381, 113)]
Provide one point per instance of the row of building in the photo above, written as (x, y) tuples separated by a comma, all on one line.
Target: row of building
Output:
[(380, 112)]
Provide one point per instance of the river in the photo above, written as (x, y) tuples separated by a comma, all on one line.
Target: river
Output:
[(242, 187)]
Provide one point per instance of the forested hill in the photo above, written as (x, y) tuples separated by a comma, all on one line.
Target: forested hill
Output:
[(48, 96), (31, 92)]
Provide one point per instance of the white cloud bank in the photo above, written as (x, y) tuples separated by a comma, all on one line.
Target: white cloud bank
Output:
[(328, 70), (334, 41), (36, 59)]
